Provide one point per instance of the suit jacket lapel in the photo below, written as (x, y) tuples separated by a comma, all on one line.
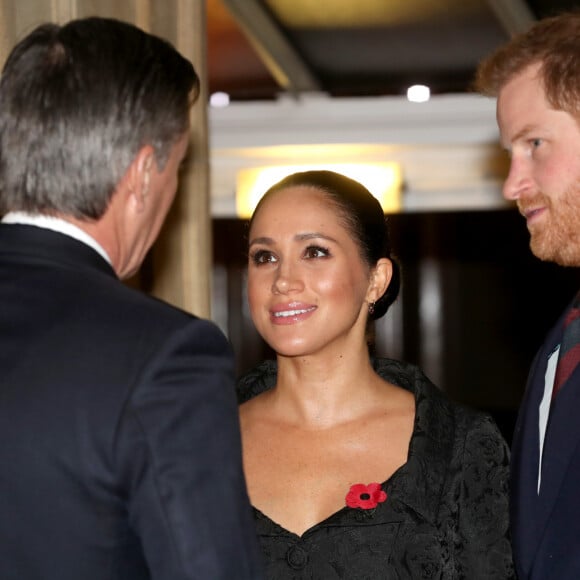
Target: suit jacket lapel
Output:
[(560, 443), (525, 464), (530, 511)]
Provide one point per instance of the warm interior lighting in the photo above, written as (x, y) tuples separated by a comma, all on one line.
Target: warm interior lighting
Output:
[(383, 180)]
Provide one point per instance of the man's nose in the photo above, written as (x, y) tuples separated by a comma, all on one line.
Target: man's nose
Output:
[(518, 180)]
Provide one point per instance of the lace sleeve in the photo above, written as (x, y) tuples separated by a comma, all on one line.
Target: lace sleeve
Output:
[(483, 547)]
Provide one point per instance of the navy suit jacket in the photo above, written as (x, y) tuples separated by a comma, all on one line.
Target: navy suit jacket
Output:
[(546, 527), (120, 454)]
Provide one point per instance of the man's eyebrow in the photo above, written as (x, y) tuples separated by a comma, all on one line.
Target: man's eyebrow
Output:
[(526, 130)]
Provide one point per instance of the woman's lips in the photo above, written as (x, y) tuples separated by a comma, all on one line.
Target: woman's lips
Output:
[(291, 313)]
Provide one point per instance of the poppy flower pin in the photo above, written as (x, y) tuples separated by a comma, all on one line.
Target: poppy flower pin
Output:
[(365, 497)]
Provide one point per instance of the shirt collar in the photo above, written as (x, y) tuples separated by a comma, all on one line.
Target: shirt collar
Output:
[(55, 224)]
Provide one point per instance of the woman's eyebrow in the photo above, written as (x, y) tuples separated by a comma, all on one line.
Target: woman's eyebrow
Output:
[(313, 235), (263, 240), (266, 241)]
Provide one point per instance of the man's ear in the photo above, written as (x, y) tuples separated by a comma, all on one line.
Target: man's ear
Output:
[(138, 178), (380, 279)]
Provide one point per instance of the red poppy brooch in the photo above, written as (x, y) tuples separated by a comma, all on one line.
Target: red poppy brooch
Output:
[(365, 497)]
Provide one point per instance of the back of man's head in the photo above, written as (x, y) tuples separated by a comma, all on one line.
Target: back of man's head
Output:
[(77, 103)]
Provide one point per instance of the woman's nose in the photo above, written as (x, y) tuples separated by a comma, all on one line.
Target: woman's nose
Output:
[(287, 280)]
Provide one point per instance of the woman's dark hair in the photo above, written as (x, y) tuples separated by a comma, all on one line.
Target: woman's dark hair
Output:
[(362, 215)]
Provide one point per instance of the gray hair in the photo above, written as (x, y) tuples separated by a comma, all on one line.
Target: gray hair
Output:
[(77, 103)]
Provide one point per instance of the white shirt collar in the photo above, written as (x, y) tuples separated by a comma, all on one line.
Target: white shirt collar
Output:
[(57, 225)]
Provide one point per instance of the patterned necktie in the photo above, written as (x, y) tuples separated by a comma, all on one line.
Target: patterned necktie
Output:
[(569, 356)]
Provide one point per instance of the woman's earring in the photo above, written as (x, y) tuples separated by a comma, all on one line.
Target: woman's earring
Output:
[(371, 308)]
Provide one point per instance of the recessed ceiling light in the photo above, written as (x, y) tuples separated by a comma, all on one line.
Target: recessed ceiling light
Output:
[(418, 93), (219, 99)]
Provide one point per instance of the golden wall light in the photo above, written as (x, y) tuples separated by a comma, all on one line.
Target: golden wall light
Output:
[(383, 180)]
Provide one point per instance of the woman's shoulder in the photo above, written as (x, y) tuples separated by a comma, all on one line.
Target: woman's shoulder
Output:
[(435, 410), (256, 381)]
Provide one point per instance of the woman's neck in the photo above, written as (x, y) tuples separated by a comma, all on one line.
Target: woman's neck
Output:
[(319, 392)]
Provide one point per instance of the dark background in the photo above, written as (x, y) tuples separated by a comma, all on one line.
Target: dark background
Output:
[(473, 309)]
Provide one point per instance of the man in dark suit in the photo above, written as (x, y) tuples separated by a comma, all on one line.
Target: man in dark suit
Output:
[(119, 439), (536, 79)]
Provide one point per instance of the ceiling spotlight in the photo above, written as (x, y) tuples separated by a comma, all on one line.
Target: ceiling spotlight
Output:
[(418, 94), (219, 100)]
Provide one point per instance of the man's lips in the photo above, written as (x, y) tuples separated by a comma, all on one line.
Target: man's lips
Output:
[(532, 213)]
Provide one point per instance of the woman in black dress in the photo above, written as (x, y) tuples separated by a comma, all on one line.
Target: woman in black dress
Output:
[(357, 468)]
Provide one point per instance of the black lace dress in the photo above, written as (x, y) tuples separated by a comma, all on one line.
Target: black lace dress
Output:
[(446, 512)]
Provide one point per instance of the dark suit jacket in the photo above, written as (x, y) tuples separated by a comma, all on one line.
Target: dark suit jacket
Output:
[(119, 439), (546, 527)]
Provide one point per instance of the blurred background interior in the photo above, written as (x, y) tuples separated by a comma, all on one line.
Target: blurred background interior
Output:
[(380, 90), (386, 85)]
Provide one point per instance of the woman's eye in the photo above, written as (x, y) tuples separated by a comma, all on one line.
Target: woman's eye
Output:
[(536, 143), (316, 252), (262, 257)]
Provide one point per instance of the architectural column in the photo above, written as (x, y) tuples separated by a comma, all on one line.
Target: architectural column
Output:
[(182, 257)]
